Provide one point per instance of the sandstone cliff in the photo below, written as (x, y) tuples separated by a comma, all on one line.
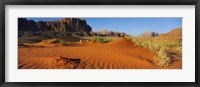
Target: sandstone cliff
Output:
[(64, 25)]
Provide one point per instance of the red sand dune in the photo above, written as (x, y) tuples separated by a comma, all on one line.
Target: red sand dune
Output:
[(119, 54)]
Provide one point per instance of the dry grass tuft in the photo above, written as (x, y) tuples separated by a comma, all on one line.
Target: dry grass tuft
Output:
[(158, 46)]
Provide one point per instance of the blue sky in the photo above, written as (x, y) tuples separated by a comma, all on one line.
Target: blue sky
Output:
[(134, 26)]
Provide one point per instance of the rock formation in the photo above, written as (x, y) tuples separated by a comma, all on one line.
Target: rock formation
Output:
[(149, 34), (64, 25)]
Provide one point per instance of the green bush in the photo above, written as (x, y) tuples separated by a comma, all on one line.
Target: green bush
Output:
[(101, 40), (108, 40), (56, 41), (98, 39), (62, 42)]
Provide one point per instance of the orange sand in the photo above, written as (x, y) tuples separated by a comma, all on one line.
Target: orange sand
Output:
[(119, 54)]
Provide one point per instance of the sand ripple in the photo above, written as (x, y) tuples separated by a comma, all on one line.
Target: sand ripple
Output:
[(120, 54)]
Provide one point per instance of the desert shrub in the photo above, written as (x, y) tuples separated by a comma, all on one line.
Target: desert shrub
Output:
[(101, 40), (56, 41), (87, 40), (81, 41), (163, 58), (108, 40), (179, 49), (64, 43), (98, 39)]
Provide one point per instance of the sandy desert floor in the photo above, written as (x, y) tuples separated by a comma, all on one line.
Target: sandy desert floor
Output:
[(119, 54)]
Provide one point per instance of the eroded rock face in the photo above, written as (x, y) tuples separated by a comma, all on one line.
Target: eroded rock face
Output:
[(26, 25), (149, 34), (64, 25)]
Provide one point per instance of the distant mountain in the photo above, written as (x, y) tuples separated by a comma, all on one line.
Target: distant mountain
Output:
[(149, 34), (109, 33), (64, 25)]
